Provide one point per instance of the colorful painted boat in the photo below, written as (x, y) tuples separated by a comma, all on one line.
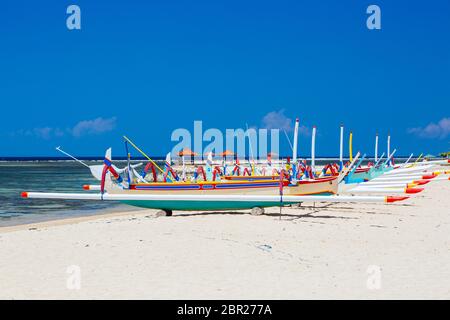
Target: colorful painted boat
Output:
[(324, 186)]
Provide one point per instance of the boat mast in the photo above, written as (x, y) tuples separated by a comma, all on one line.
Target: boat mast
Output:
[(183, 174), (294, 147), (341, 147), (313, 150), (294, 150), (376, 147), (350, 150), (128, 164), (252, 162), (389, 146)]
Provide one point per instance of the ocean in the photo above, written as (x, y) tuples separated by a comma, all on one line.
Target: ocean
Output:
[(46, 176)]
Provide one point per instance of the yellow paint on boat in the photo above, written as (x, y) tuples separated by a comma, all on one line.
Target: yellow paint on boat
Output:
[(350, 146)]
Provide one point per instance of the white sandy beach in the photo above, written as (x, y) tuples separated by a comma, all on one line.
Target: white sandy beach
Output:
[(333, 251)]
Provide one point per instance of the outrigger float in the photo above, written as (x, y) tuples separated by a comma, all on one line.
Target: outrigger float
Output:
[(205, 202), (215, 189)]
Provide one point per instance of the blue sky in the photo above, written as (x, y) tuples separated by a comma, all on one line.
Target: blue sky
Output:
[(145, 68)]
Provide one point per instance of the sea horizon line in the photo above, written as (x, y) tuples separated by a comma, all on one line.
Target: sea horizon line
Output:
[(98, 158)]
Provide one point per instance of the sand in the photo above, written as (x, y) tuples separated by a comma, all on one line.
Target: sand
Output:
[(339, 251)]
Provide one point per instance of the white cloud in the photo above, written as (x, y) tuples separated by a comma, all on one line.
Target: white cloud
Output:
[(85, 127), (278, 120), (40, 132), (44, 133), (305, 131), (439, 130), (95, 126)]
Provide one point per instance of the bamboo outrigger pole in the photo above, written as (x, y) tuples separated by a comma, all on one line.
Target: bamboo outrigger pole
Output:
[(418, 158), (71, 156), (416, 162), (407, 160), (379, 160), (173, 198), (143, 153)]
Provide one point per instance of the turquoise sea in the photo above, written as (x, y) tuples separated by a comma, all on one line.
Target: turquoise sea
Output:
[(46, 176)]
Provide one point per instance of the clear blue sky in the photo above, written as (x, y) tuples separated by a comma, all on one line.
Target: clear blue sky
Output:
[(146, 68)]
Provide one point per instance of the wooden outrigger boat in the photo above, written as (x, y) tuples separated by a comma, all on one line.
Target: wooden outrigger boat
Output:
[(113, 184), (224, 194), (218, 195), (386, 178)]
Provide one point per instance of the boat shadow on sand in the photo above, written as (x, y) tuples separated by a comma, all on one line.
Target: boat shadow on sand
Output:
[(292, 216), (313, 214)]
